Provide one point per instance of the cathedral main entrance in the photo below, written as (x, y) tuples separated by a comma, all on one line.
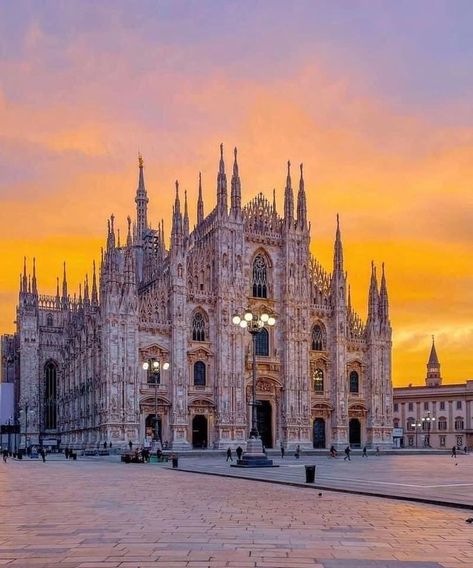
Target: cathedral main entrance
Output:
[(355, 432), (199, 431), (154, 427), (264, 414), (319, 433)]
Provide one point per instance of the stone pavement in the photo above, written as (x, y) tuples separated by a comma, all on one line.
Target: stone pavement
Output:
[(433, 478), (88, 514)]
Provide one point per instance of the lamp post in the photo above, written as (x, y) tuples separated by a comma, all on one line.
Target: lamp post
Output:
[(427, 421), (254, 324), (153, 368)]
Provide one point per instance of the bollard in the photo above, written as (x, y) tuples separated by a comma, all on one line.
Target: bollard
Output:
[(309, 473)]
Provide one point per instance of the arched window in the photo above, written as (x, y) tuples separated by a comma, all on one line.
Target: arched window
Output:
[(199, 374), (260, 277), (49, 320), (459, 423), (318, 378), (50, 394), (198, 327), (442, 423), (318, 338), (354, 382), (262, 343)]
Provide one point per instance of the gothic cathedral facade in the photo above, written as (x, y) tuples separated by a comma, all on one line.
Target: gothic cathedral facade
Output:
[(323, 375)]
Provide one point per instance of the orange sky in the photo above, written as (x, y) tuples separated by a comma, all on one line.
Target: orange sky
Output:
[(76, 107)]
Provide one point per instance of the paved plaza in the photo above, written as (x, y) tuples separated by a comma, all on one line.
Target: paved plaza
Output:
[(99, 513), (429, 477)]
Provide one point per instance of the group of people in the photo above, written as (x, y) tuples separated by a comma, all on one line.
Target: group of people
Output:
[(454, 451), (239, 452)]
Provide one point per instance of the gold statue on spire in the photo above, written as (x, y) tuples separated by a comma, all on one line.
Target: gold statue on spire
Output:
[(140, 160)]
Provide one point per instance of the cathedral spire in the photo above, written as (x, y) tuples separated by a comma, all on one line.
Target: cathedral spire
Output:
[(288, 198), (25, 277), (128, 237), (222, 186), (58, 297), (433, 379), (235, 206), (176, 231), (94, 286), (383, 298), (86, 289), (34, 283), (186, 216), (200, 203), (64, 284), (338, 250), (301, 203), (373, 297), (141, 201)]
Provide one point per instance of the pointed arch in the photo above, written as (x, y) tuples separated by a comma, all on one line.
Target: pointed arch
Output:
[(50, 394), (319, 337), (199, 327), (261, 275)]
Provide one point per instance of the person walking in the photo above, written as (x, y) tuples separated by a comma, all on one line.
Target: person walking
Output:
[(364, 454), (130, 445), (239, 453), (454, 452), (378, 453), (66, 453), (229, 455), (297, 453), (333, 452), (5, 455), (282, 451), (347, 454), (42, 453)]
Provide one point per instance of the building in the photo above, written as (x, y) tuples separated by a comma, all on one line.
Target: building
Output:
[(324, 376), (434, 415)]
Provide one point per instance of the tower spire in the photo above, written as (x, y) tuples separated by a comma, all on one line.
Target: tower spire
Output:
[(383, 298), (200, 203), (64, 283), (338, 250), (288, 198), (94, 286), (34, 283), (235, 206), (141, 201), (25, 277), (301, 203), (373, 297), (186, 216), (222, 186), (433, 379)]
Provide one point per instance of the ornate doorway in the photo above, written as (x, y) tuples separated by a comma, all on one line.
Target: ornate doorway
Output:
[(154, 427), (355, 432), (319, 433), (199, 431), (265, 422)]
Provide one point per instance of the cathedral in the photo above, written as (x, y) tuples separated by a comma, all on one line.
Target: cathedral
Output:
[(146, 350)]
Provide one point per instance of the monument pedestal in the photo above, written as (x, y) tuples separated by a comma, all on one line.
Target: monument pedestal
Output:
[(254, 455)]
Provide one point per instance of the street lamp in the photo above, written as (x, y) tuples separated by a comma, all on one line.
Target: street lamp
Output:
[(254, 324), (153, 368), (427, 421)]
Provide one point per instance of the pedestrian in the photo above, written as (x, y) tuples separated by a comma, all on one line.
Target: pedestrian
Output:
[(297, 453), (110, 445), (378, 453), (130, 445), (264, 450), (347, 454), (229, 455), (105, 445), (66, 453), (333, 452), (239, 452), (282, 451), (5, 455), (454, 452), (42, 453), (364, 454), (466, 449)]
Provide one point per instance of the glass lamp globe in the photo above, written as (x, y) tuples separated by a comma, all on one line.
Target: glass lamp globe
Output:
[(264, 317), (248, 316), (236, 320), (155, 364), (166, 366), (243, 323), (145, 366), (271, 320)]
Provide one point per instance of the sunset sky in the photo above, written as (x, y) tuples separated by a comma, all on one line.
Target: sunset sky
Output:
[(376, 98)]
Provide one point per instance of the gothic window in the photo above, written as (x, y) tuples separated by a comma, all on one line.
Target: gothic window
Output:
[(318, 378), (49, 320), (354, 382), (459, 423), (442, 423), (198, 327), (262, 343), (318, 338), (260, 278), (50, 394), (199, 374)]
